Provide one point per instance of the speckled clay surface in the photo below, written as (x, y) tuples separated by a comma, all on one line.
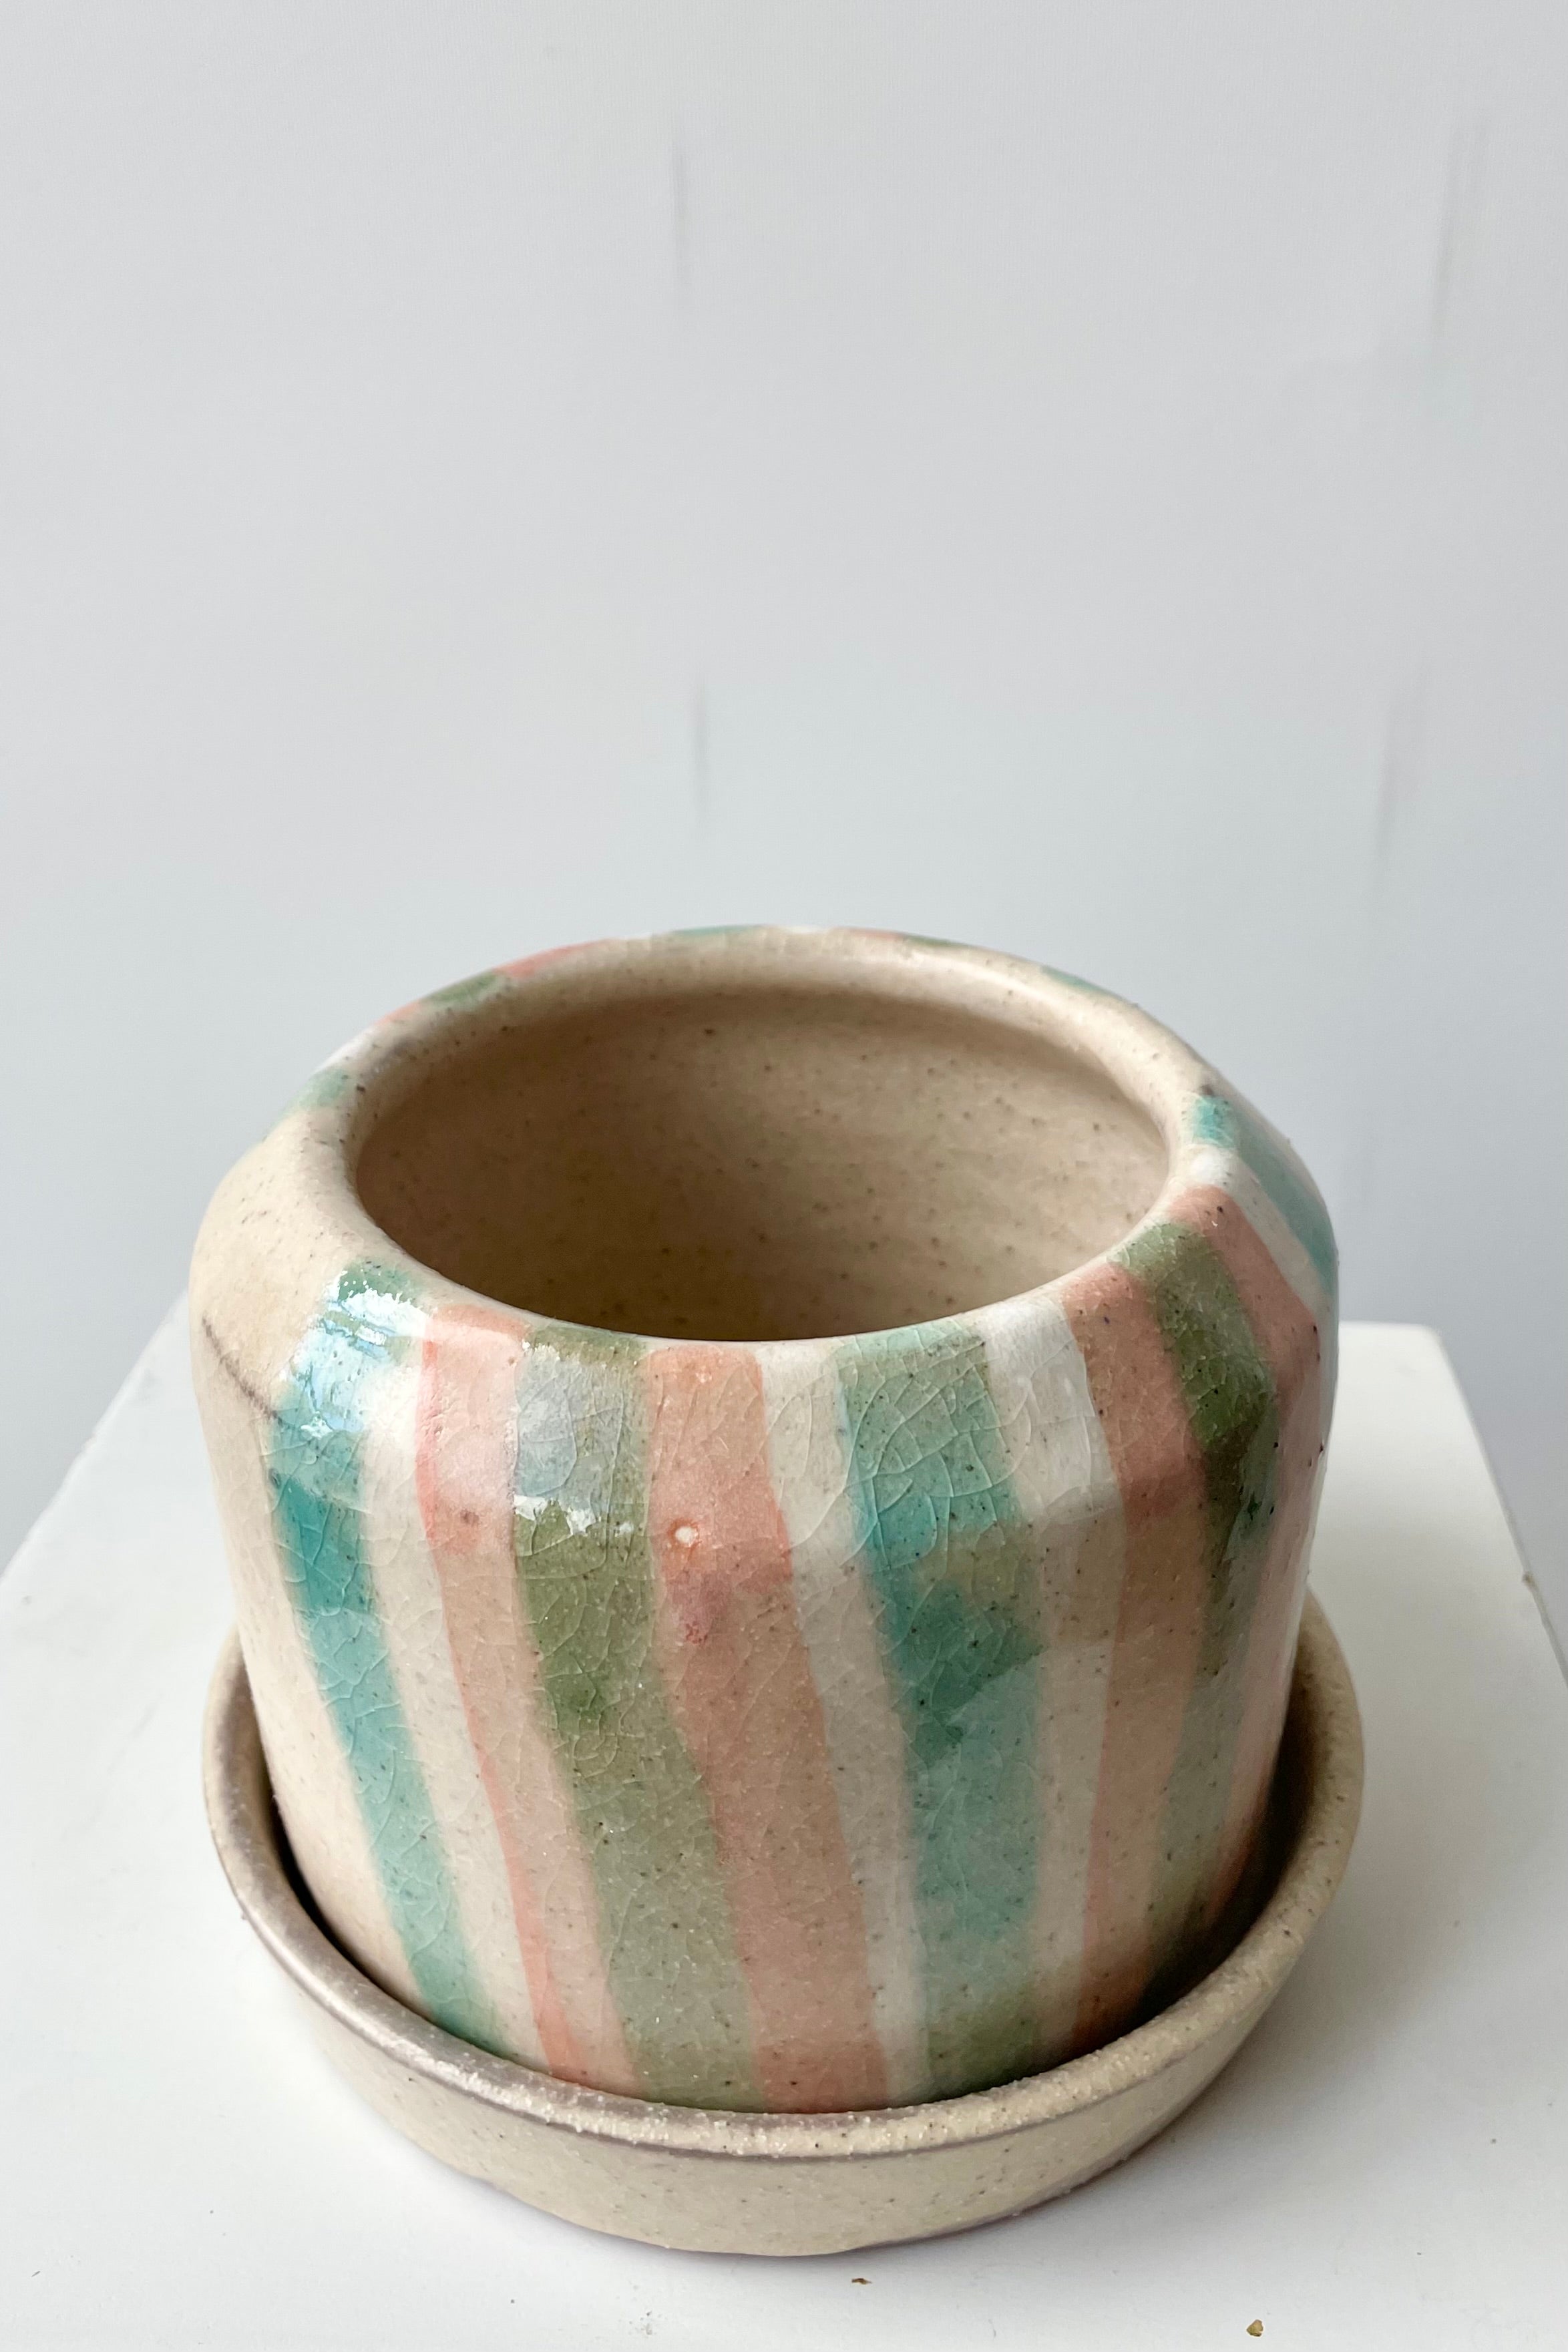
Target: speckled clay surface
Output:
[(778, 2184), (867, 1689)]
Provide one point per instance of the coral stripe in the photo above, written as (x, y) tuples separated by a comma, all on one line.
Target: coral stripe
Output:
[(465, 1460), (1209, 1167), (1159, 1631), (740, 1689), (525, 967)]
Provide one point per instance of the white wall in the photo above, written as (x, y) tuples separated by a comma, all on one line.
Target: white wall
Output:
[(1090, 480)]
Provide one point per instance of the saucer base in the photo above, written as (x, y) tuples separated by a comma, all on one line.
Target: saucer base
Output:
[(793, 2184)]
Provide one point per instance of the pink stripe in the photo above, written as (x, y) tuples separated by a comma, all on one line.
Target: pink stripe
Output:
[(740, 1685), (1159, 1629), (467, 1449), (1290, 1342), (523, 968)]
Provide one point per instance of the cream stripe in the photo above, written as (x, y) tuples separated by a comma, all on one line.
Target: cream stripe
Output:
[(865, 1733), (1067, 1492), (413, 1619)]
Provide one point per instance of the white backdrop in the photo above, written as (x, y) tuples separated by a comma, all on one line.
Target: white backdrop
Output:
[(1090, 480)]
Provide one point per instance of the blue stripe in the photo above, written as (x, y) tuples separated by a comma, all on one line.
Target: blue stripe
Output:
[(956, 1583), (315, 1468)]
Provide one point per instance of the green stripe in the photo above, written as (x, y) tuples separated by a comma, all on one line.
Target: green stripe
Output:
[(324, 1090), (956, 1585), (1234, 1125), (460, 992), (327, 1399), (1229, 1392), (586, 1576)]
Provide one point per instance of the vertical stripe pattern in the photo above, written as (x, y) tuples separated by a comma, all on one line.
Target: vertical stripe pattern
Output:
[(816, 1725), (839, 1622), (330, 1395), (1159, 1633), (405, 1587), (1064, 1485), (465, 1472), (587, 1577), (1228, 1399), (742, 1692)]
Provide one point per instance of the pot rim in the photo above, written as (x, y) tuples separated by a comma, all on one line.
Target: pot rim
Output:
[(315, 1147)]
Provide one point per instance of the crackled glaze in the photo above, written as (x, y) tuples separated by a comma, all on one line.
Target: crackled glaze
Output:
[(802, 1723)]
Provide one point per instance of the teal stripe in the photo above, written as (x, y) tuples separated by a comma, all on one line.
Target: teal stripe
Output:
[(1234, 1125), (324, 1090), (956, 1585), (315, 1468), (472, 990)]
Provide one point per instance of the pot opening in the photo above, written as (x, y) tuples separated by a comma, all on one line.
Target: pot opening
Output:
[(758, 1162)]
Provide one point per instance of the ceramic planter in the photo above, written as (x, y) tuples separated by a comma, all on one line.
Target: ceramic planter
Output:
[(863, 1692)]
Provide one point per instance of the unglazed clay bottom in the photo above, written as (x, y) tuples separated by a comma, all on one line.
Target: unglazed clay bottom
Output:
[(868, 1690)]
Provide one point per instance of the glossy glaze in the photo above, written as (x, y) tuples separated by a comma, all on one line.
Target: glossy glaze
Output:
[(770, 1722)]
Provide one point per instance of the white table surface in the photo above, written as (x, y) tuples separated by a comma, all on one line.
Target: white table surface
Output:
[(1385, 2164)]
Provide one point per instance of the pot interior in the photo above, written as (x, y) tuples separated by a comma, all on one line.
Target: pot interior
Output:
[(757, 1162)]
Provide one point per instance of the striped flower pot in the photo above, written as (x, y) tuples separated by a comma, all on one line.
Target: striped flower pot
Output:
[(868, 1690)]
